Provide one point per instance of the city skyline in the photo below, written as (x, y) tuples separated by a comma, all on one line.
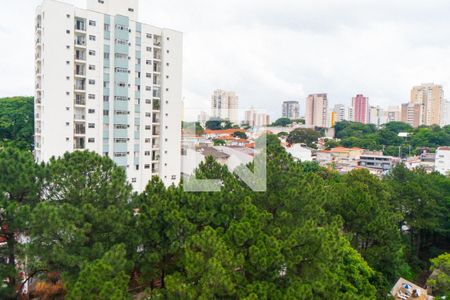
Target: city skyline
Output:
[(267, 64)]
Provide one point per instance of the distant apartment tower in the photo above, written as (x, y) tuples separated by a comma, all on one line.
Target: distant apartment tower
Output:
[(202, 118), (316, 110), (225, 105), (377, 116), (392, 114), (291, 110), (411, 113), (256, 119), (340, 113), (107, 83), (446, 117), (360, 109), (430, 97)]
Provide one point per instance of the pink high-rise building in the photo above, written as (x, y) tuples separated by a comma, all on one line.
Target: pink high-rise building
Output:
[(360, 105)]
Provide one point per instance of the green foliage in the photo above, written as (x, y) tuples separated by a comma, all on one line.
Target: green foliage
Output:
[(17, 122), (305, 136), (199, 130), (216, 124), (19, 190), (87, 211), (103, 279), (240, 134), (439, 280), (218, 142), (369, 137), (282, 122)]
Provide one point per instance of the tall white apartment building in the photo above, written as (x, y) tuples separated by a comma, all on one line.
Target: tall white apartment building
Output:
[(392, 114), (107, 83), (377, 116), (255, 118), (225, 105), (317, 110), (340, 113)]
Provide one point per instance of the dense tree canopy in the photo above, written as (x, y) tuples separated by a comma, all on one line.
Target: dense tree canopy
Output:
[(216, 124), (304, 136), (314, 234), (386, 137), (17, 121)]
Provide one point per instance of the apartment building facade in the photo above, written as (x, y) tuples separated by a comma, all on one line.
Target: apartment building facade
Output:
[(411, 113), (430, 97), (360, 109), (290, 110), (317, 110), (442, 163), (107, 83), (225, 105)]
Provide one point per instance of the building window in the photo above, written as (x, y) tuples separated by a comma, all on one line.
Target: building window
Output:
[(92, 52), (148, 62), (131, 9), (147, 153), (92, 23), (106, 112), (68, 47), (105, 98), (68, 16), (167, 51), (149, 35), (101, 1), (91, 140), (91, 81), (148, 75), (91, 125), (133, 180), (167, 64), (67, 124), (149, 49), (68, 31), (106, 55), (91, 67), (67, 62), (92, 38), (147, 140), (147, 166), (67, 78), (91, 111), (147, 127), (67, 139), (174, 177), (148, 88), (91, 96), (68, 93), (106, 27), (168, 38), (167, 89)]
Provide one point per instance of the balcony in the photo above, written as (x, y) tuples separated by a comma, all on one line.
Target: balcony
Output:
[(80, 117), (157, 54), (80, 101), (80, 129), (80, 70), (80, 55), (157, 79), (155, 168), (79, 143), (156, 105), (157, 92), (80, 41), (80, 25), (156, 130), (157, 40), (157, 67), (155, 143), (156, 118), (155, 155), (80, 85)]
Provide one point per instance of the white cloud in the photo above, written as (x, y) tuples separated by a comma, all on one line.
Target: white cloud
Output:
[(275, 50)]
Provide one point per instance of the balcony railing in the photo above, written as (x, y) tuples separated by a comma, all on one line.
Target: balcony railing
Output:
[(80, 117), (80, 102), (79, 143), (156, 130), (80, 129), (157, 40), (156, 105), (80, 41), (157, 93)]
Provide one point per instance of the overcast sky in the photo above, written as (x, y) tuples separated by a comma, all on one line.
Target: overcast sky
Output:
[(268, 51)]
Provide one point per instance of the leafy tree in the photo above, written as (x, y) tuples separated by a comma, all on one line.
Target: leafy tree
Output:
[(282, 122), (439, 280), (199, 130), (240, 134), (331, 143), (103, 279), (19, 191), (219, 142), (87, 211), (283, 134), (217, 124), (303, 135), (17, 121)]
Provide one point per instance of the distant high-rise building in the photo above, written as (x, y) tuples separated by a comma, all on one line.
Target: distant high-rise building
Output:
[(446, 117), (225, 105), (411, 113), (392, 114), (377, 116), (430, 97), (317, 110), (102, 84), (291, 110), (256, 119), (360, 106), (340, 113)]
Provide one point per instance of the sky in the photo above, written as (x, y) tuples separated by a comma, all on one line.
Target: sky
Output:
[(269, 51)]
